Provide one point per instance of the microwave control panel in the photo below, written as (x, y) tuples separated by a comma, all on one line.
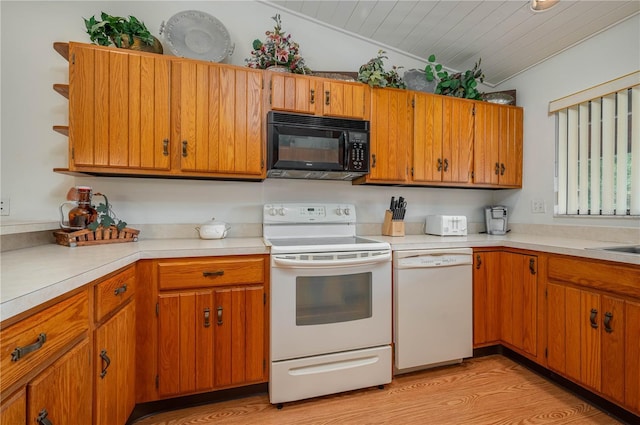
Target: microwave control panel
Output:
[(358, 152)]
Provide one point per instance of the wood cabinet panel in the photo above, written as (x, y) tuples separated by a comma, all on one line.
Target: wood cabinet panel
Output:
[(114, 371), (346, 99), (632, 356), (612, 348), (114, 292), (63, 390), (427, 138), (390, 135), (14, 409), (590, 361), (60, 324), (189, 273), (486, 298), (294, 93), (457, 139)]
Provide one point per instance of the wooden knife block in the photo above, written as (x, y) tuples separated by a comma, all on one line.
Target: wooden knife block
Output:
[(392, 227)]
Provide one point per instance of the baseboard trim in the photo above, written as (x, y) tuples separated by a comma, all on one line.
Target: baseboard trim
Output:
[(154, 407)]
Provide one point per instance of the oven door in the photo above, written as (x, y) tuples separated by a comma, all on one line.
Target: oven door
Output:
[(329, 302), (306, 148)]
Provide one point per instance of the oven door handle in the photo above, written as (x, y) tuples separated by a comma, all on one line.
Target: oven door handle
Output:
[(337, 262)]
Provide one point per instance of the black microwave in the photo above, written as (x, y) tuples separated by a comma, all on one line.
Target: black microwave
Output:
[(312, 147)]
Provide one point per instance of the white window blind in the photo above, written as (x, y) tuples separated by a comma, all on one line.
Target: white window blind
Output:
[(598, 150)]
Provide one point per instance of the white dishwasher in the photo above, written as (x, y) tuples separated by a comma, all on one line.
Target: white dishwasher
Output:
[(433, 307)]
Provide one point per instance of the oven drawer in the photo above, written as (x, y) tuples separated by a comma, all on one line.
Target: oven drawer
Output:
[(328, 374), (190, 273)]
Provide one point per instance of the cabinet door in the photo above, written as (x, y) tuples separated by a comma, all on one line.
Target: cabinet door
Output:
[(486, 298), (294, 93), (114, 375), (590, 354), (239, 336), (632, 356), (345, 99), (218, 111), (118, 109), (427, 138), (14, 409), (457, 139), (184, 342), (390, 135), (498, 145), (519, 301), (612, 324), (62, 393)]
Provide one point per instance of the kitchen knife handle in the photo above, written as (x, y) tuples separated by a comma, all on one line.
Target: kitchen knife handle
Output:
[(213, 273)]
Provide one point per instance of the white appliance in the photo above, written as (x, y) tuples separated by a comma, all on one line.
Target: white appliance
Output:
[(446, 225), (330, 302), (433, 305)]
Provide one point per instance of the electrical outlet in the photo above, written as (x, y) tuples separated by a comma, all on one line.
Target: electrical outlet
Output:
[(4, 206), (538, 206)]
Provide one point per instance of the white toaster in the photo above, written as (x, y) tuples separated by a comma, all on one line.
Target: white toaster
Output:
[(446, 225)]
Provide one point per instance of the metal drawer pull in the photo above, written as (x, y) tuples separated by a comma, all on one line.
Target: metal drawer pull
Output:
[(592, 318), (502, 169), (165, 147), (207, 314), (326, 97), (532, 266), (219, 314), (446, 164), (439, 164), (42, 418), (313, 96), (20, 352), (478, 261), (497, 168), (184, 148), (120, 290), (213, 274), (105, 359), (607, 321)]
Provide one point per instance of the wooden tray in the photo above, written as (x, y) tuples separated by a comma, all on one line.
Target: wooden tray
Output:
[(100, 236)]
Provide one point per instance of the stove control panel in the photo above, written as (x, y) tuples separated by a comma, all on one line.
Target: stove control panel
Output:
[(308, 213)]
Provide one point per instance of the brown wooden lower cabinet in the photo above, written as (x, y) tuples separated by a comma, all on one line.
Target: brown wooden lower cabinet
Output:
[(486, 298), (14, 409), (212, 324), (593, 334), (62, 393)]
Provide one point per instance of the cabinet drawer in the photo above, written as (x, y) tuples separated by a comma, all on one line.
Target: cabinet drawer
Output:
[(113, 292), (210, 272), (36, 339)]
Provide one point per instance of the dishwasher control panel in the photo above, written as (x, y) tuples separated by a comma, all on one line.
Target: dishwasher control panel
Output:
[(433, 258)]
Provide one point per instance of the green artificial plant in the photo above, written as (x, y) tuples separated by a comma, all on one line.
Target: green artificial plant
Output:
[(374, 74), (460, 84), (112, 28)]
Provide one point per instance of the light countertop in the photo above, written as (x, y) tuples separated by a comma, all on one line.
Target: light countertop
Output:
[(32, 276)]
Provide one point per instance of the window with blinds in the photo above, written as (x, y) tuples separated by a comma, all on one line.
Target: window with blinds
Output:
[(598, 150)]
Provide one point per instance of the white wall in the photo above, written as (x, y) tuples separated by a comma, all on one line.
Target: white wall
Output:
[(30, 149), (606, 56)]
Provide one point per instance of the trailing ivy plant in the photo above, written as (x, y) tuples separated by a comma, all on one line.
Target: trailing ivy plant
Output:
[(111, 29), (460, 84), (374, 74)]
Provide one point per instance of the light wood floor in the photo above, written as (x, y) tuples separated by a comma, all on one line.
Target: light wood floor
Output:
[(487, 390)]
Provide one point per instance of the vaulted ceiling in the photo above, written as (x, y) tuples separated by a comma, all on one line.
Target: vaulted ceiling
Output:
[(507, 35)]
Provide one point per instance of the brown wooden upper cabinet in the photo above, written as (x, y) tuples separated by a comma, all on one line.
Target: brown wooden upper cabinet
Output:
[(118, 109), (497, 145), (318, 96), (218, 118), (138, 113)]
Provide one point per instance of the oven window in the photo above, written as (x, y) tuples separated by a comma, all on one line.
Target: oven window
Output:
[(333, 299)]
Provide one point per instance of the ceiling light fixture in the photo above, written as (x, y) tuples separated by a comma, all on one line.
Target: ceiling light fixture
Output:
[(542, 5)]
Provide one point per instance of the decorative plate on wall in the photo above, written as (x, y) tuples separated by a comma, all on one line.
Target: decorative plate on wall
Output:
[(197, 35)]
